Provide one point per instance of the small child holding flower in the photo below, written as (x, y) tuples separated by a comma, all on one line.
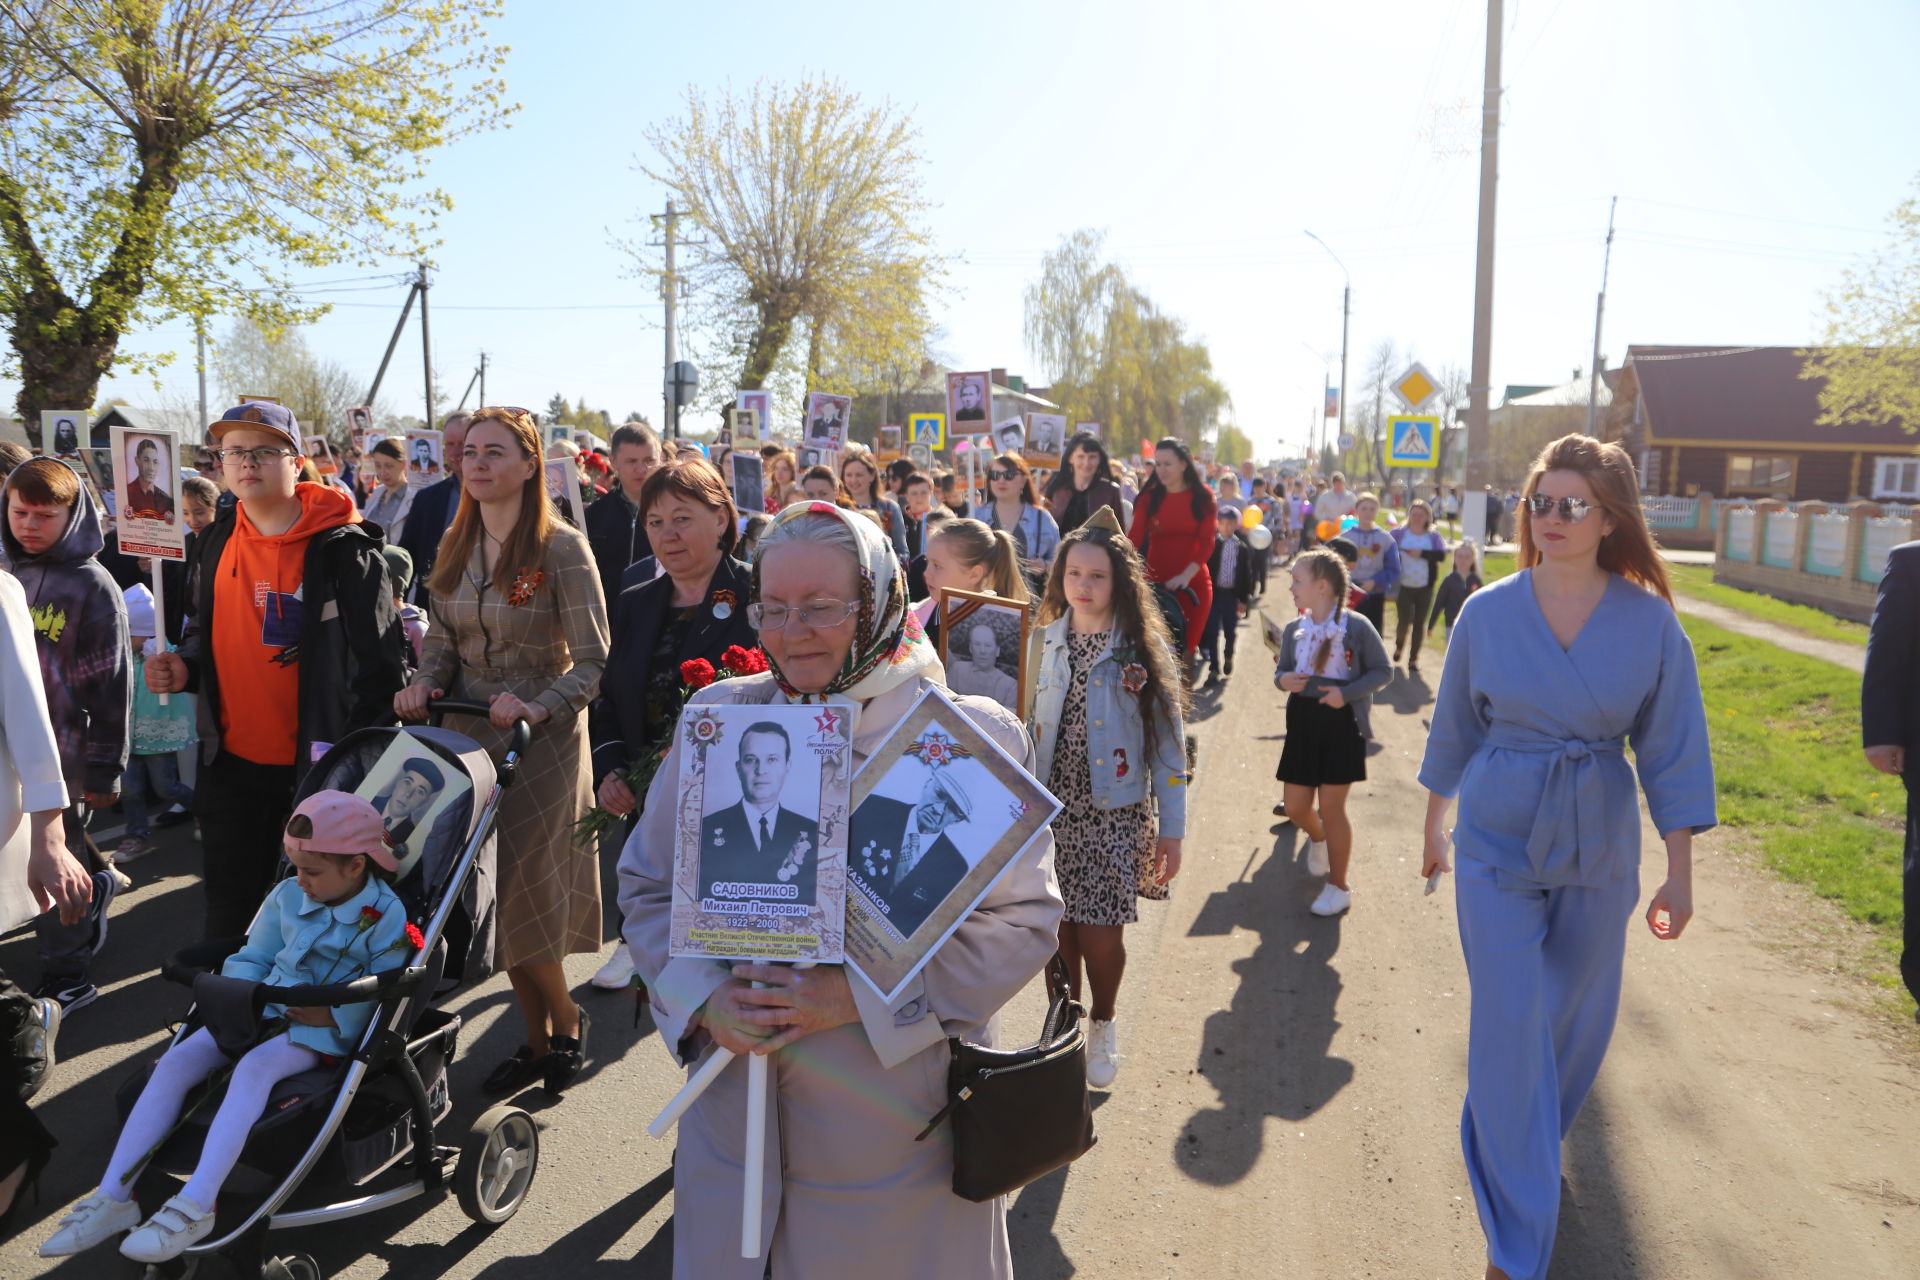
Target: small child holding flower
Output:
[(335, 920)]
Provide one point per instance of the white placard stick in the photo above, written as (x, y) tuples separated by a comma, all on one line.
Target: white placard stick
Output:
[(755, 1170), (159, 637), (690, 1092)]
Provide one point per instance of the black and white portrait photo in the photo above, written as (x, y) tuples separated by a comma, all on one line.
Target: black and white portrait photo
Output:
[(760, 841), (920, 455), (939, 813), (60, 432), (749, 482), (423, 456), (968, 402), (1010, 436), (416, 793), (982, 644), (1046, 437)]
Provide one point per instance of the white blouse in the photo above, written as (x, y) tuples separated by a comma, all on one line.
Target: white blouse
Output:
[(1306, 643)]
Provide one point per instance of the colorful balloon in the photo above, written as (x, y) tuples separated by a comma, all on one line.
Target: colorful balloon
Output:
[(1326, 529), (1260, 536), (1251, 518)]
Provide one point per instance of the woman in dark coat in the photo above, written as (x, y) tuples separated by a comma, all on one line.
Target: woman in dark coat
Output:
[(1083, 485), (696, 608)]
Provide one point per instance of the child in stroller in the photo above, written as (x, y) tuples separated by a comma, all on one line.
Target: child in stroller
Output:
[(336, 919)]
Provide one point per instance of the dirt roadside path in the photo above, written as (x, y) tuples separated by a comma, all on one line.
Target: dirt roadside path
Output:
[(1289, 1099)]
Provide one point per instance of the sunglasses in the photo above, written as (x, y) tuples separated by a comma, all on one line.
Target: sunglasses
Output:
[(1003, 475), (1572, 510)]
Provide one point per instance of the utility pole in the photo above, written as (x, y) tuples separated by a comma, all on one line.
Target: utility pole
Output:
[(1599, 313), (1346, 313), (483, 379), (426, 344), (200, 363), (1479, 450)]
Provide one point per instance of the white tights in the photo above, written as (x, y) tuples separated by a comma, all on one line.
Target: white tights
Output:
[(183, 1066)]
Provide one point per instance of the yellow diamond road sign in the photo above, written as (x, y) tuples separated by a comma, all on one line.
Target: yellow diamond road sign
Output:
[(1416, 387)]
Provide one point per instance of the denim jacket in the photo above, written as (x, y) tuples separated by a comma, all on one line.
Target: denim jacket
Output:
[(297, 940), (1116, 735), (1367, 665)]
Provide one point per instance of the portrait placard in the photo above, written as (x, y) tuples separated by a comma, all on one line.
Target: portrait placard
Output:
[(745, 423), (749, 483), (61, 431), (99, 464), (425, 458), (969, 401), (415, 791), (929, 429), (563, 488), (1009, 436), (259, 400), (359, 421), (761, 402), (1046, 439), (939, 814), (145, 477), (984, 647), (320, 453), (827, 419), (920, 455), (760, 832), (886, 447), (1090, 428)]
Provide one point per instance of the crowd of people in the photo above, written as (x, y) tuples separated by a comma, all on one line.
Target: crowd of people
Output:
[(310, 607)]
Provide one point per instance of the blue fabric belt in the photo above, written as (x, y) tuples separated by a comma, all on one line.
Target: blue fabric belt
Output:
[(1573, 797)]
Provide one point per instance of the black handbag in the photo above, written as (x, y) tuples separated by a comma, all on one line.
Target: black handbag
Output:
[(1019, 1114)]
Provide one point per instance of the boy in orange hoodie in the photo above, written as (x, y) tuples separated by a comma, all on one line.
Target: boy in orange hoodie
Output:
[(294, 642)]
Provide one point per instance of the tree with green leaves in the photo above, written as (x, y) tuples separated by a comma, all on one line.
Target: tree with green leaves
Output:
[(1870, 353), (809, 253), (1114, 356), (163, 158)]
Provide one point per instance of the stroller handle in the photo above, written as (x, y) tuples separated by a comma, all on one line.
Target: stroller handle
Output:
[(522, 731)]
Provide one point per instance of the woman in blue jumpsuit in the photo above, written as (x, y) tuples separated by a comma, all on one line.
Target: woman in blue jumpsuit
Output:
[(1551, 675)]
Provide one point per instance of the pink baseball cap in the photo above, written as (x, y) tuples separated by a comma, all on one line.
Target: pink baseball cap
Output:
[(342, 824)]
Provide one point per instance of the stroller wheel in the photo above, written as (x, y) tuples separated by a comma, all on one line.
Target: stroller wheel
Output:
[(297, 1266), (496, 1164)]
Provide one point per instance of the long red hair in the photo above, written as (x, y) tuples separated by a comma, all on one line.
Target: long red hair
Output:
[(1628, 550)]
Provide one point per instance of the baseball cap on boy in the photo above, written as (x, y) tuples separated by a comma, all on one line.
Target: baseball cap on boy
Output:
[(342, 823), (276, 419)]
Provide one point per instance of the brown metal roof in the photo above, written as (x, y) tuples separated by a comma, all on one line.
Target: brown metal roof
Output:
[(1742, 395)]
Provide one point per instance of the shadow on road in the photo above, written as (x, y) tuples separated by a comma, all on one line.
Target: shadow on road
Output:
[(1267, 1053), (1030, 1223)]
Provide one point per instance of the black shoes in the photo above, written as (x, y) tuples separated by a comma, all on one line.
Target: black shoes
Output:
[(568, 1058), (513, 1075), (69, 993)]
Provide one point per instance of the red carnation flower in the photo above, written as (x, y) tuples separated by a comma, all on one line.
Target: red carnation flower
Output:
[(696, 673), (368, 918), (415, 938), (743, 661)]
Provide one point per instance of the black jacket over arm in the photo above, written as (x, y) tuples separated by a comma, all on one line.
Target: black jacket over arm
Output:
[(427, 520), (617, 538), (1241, 588), (352, 646), (616, 723), (1890, 685)]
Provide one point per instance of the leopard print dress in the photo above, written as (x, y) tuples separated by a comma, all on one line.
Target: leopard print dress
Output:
[(1103, 857)]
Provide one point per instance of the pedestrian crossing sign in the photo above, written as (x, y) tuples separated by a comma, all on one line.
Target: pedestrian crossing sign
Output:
[(1410, 442)]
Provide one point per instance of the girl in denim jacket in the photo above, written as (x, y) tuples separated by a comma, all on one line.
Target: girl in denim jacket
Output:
[(1109, 740), (335, 920)]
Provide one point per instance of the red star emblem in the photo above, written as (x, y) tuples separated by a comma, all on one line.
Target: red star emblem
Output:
[(827, 721)]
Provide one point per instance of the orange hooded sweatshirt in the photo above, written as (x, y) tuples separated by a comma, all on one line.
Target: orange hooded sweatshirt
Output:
[(257, 616)]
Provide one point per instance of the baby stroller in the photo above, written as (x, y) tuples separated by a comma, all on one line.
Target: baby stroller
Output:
[(360, 1134)]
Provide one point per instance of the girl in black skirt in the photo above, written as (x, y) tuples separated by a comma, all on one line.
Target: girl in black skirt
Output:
[(1331, 664)]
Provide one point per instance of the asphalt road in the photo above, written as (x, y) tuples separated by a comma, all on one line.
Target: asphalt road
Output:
[(1289, 1097)]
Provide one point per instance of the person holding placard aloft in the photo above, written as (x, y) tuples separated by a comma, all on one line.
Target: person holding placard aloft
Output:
[(1109, 741), (847, 1190)]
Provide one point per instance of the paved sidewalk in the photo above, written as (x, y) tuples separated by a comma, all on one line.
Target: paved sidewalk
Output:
[(1851, 656)]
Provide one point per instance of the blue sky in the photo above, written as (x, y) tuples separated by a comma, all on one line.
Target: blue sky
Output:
[(1755, 153)]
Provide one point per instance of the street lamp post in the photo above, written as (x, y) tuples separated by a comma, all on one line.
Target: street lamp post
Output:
[(1346, 311)]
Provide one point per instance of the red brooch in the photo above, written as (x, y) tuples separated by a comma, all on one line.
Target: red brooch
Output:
[(524, 586), (1133, 677)]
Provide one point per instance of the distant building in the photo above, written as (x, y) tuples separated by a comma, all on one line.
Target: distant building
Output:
[(1740, 422)]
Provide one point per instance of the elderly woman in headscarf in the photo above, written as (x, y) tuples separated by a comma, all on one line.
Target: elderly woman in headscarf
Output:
[(847, 1190)]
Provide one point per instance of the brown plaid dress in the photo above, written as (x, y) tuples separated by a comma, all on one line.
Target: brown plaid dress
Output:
[(549, 650)]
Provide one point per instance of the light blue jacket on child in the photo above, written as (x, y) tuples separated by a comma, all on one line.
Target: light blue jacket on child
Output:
[(1116, 733), (295, 940)]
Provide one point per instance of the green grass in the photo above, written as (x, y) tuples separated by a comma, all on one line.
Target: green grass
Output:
[(1788, 769), (1696, 581)]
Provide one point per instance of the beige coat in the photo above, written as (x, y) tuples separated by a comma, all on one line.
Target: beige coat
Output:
[(549, 650), (848, 1191)]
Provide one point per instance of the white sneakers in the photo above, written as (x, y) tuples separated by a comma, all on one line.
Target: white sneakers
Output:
[(1331, 902), (617, 972), (1103, 1053), (93, 1220), (179, 1224), (1317, 864)]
